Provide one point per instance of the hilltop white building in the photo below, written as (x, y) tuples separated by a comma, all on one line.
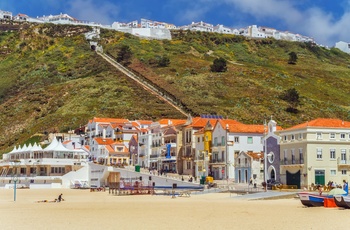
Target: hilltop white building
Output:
[(5, 15), (343, 46)]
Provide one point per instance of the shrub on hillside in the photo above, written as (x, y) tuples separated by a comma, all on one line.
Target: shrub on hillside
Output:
[(219, 65)]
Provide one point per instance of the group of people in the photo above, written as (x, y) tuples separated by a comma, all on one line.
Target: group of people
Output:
[(331, 185), (59, 199)]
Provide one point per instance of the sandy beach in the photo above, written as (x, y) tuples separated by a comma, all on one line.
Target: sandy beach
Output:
[(83, 209)]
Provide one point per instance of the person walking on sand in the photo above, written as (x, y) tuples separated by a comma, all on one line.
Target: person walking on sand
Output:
[(59, 199)]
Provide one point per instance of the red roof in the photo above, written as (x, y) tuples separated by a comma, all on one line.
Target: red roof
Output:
[(242, 128), (200, 122), (172, 122), (104, 141), (110, 120), (323, 123), (256, 156)]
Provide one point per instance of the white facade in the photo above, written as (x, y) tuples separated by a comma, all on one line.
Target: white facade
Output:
[(254, 32), (5, 15), (221, 161), (145, 143), (343, 46)]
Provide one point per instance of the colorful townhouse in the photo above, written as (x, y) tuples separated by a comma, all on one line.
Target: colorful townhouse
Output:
[(187, 152), (315, 152)]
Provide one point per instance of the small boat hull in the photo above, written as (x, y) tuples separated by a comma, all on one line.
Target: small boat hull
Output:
[(342, 201), (311, 200)]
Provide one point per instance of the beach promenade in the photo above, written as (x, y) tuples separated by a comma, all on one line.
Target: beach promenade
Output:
[(83, 209)]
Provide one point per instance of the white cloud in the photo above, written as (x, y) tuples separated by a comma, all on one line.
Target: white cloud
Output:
[(96, 11)]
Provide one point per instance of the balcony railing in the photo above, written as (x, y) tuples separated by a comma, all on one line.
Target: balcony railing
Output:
[(242, 165), (217, 161), (292, 161), (343, 162)]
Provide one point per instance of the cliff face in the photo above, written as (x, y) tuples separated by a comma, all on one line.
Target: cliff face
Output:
[(51, 80)]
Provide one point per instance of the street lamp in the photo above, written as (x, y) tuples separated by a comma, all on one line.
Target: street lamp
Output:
[(14, 177), (265, 155)]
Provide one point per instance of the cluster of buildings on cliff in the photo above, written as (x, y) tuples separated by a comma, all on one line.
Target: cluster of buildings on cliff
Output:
[(160, 30), (316, 152)]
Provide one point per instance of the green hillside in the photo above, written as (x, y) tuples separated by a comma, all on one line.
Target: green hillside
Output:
[(52, 81)]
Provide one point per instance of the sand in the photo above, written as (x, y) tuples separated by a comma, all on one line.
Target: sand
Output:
[(83, 209)]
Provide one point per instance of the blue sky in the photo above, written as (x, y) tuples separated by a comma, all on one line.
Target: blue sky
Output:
[(325, 20)]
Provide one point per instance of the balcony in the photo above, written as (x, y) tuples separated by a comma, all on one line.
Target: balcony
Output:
[(242, 165), (343, 163), (217, 161), (292, 162)]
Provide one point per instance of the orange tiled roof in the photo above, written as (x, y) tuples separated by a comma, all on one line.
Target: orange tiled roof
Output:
[(66, 142), (256, 156), (145, 122), (110, 120), (111, 149), (201, 131), (200, 122), (324, 123), (173, 121), (104, 141), (242, 128)]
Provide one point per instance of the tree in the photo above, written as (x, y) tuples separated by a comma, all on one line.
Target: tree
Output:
[(219, 65), (124, 55), (163, 61), (292, 97), (293, 57)]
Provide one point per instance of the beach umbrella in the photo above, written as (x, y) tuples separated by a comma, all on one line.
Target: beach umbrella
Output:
[(337, 191)]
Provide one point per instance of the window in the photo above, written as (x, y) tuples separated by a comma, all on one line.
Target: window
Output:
[(293, 156), (342, 136), (293, 137), (332, 136), (319, 136), (188, 165), (343, 156), (333, 172), (319, 153), (250, 140), (215, 141), (301, 158), (332, 154), (271, 157), (236, 139), (222, 141), (285, 138), (343, 172), (285, 156), (223, 156)]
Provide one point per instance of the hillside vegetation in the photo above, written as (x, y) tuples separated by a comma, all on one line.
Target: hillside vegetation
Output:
[(52, 81)]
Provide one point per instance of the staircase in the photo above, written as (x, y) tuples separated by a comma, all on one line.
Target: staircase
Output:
[(146, 85)]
